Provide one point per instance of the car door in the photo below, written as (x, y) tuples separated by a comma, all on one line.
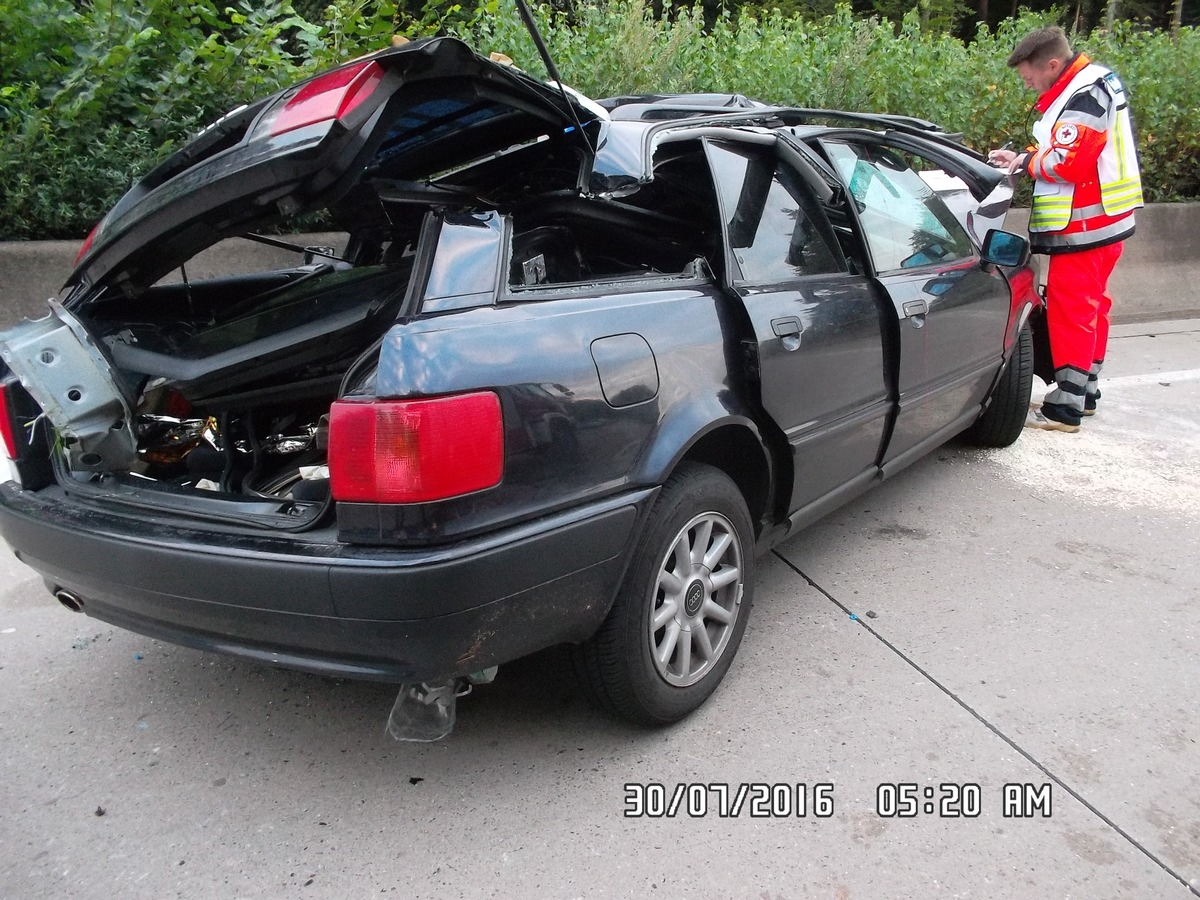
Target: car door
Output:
[(953, 311), (818, 329)]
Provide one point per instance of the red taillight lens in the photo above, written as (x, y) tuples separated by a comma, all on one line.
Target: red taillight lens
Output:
[(415, 451), (7, 430), (329, 96)]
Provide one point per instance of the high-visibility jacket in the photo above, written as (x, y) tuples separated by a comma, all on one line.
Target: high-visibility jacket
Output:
[(1085, 169)]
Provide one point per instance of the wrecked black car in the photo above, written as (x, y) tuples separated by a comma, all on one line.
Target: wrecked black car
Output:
[(561, 371)]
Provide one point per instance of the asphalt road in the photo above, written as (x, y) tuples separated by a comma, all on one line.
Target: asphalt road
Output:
[(1024, 617)]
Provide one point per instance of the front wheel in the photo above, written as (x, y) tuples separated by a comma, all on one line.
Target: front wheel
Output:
[(682, 609), (1002, 421)]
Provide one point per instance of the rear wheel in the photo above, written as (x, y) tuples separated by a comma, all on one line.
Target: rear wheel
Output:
[(1002, 421), (680, 614)]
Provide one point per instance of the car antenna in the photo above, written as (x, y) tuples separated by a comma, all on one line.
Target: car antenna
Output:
[(551, 68)]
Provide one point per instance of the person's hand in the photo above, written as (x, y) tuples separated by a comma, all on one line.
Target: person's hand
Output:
[(1003, 158), (1017, 166)]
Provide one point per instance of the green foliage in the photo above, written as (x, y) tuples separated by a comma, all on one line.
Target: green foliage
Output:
[(843, 61), (94, 93), (350, 28), (57, 185)]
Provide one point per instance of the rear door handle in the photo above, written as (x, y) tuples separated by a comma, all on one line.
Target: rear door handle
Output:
[(788, 329), (914, 311)]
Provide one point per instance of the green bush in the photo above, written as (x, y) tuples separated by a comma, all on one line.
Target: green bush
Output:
[(844, 62), (94, 93)]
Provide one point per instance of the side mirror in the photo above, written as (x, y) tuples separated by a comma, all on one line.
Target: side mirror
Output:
[(1003, 248)]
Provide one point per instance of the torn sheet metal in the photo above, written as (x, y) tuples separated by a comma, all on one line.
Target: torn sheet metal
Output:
[(72, 381)]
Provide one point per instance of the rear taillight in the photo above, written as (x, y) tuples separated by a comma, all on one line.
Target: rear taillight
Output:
[(329, 96), (415, 451), (7, 429)]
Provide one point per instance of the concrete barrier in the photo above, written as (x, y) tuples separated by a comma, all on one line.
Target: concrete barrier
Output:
[(1158, 276), (31, 271)]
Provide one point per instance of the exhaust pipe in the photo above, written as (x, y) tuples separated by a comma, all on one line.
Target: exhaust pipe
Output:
[(71, 601)]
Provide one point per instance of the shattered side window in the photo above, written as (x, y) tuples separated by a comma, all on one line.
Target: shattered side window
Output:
[(667, 226)]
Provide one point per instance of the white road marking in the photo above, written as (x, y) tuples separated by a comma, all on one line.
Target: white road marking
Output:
[(1152, 378)]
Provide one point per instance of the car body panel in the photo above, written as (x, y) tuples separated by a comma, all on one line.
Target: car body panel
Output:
[(820, 332), (947, 361), (952, 311), (566, 442)]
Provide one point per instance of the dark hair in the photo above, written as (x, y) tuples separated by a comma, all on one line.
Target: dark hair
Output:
[(1040, 46)]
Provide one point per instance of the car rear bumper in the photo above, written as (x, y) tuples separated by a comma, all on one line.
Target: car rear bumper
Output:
[(308, 602)]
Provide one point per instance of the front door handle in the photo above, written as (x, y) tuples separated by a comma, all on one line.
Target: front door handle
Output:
[(788, 330)]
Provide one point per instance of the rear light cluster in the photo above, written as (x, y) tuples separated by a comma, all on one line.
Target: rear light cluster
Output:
[(331, 96), (415, 451), (7, 429)]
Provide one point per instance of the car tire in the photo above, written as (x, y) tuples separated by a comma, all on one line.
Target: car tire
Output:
[(1002, 421), (682, 608)]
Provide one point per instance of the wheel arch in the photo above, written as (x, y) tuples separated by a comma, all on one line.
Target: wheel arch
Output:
[(737, 452), (732, 444)]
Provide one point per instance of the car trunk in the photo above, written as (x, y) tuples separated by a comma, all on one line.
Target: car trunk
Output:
[(206, 392)]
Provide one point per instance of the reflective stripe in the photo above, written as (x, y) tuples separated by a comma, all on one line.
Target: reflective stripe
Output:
[(1121, 196), (1050, 213), (1131, 184), (1119, 146), (1120, 190), (1043, 171), (1071, 388), (1058, 240)]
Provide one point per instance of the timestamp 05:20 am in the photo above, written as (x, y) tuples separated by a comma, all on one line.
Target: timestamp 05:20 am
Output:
[(951, 800)]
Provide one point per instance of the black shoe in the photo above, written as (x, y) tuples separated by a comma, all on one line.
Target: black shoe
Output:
[(1060, 412), (1089, 404)]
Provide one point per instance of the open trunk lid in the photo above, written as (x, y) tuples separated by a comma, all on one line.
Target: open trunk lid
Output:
[(406, 113)]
